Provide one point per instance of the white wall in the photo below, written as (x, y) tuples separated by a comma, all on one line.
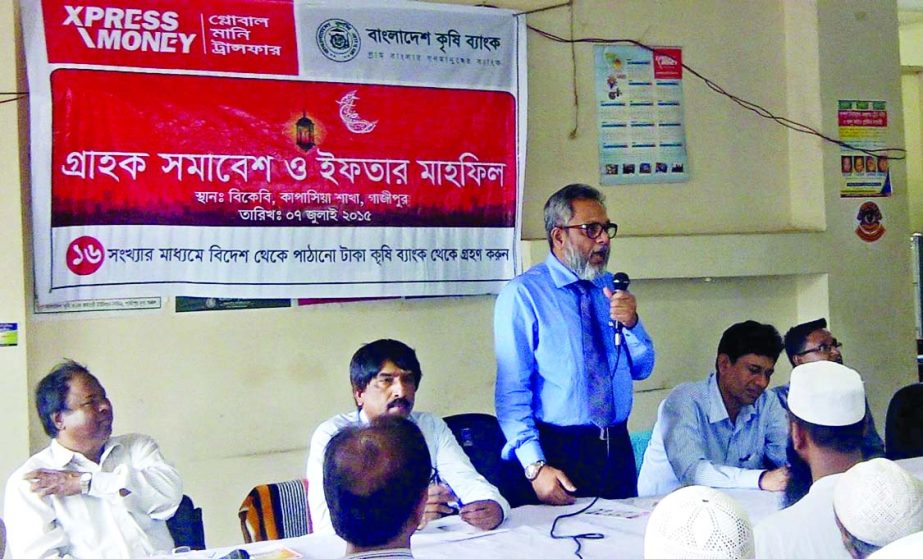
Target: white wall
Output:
[(234, 396)]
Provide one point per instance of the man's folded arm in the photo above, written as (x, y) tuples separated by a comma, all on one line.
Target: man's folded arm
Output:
[(148, 484)]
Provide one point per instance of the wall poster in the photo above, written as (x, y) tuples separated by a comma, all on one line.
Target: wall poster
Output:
[(639, 96), (863, 125)]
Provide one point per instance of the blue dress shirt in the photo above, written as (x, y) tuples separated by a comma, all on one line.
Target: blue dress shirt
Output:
[(695, 443), (541, 373)]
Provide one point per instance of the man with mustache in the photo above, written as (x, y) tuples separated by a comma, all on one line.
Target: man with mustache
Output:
[(385, 375), (568, 346), (826, 405), (725, 431), (812, 341), (89, 494)]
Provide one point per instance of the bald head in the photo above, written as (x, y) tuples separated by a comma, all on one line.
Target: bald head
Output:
[(375, 477)]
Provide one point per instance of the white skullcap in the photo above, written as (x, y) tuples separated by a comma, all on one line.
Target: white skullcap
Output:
[(908, 546), (698, 522), (879, 502), (826, 393)]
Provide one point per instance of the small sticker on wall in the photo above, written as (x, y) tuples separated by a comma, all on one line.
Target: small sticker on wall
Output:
[(870, 228), (9, 334)]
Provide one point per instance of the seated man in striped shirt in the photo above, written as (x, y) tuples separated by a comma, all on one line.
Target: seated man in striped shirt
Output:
[(727, 430)]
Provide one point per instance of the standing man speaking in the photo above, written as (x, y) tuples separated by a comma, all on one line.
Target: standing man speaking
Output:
[(568, 345)]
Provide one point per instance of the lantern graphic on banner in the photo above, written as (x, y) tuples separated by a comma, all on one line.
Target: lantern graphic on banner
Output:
[(304, 133)]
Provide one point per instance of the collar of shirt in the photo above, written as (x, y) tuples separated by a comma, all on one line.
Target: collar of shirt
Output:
[(62, 456), (716, 410)]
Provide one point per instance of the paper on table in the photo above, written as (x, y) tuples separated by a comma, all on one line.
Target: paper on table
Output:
[(452, 529), (277, 553), (627, 508)]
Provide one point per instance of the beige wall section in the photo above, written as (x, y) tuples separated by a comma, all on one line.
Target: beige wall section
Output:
[(911, 82), (738, 163), (14, 409), (911, 48), (234, 396)]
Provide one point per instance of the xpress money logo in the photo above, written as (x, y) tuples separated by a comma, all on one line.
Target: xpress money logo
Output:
[(338, 40)]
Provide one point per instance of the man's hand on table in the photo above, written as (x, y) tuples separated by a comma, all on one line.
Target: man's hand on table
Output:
[(485, 514), (439, 495), (774, 480)]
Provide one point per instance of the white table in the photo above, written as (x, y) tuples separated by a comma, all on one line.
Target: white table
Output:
[(525, 533)]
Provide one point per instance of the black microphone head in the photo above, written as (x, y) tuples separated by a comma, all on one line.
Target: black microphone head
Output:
[(620, 281)]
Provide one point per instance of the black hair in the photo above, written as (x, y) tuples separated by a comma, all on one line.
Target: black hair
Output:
[(840, 438), (374, 479), (51, 392), (750, 337), (369, 359), (797, 336)]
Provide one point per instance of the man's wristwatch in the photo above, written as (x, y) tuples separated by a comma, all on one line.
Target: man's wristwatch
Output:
[(85, 479), (533, 469)]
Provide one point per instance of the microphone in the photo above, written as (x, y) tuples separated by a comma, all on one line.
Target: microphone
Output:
[(620, 281)]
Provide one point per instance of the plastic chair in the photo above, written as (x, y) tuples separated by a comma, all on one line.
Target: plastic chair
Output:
[(275, 511), (2, 538), (185, 526), (904, 424), (639, 442), (482, 440)]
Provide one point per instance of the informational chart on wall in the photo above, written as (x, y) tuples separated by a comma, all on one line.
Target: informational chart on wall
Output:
[(865, 172), (283, 149), (639, 94)]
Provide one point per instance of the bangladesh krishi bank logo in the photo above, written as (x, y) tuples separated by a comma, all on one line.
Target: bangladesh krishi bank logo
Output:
[(338, 40)]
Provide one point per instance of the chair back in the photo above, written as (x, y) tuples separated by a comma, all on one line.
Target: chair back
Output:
[(904, 424), (639, 443), (185, 526), (275, 511), (2, 538), (481, 438)]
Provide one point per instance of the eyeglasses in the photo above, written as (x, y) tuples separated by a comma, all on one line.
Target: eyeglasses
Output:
[(594, 230), (823, 348)]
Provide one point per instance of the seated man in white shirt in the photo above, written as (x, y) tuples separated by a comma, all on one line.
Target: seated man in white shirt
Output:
[(88, 495), (826, 404), (724, 431), (385, 375), (375, 482)]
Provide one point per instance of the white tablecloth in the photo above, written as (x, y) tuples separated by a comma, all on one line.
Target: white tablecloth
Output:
[(526, 532)]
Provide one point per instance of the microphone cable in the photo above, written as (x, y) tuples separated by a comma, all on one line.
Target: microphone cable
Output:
[(576, 537)]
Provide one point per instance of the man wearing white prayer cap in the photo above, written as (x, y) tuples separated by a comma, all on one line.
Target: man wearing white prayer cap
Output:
[(908, 546), (826, 404), (698, 522), (876, 503)]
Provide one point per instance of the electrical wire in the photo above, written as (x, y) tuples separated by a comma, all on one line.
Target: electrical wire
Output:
[(16, 96), (759, 110), (576, 537)]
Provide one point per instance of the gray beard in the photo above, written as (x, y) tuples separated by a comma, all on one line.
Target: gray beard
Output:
[(581, 265)]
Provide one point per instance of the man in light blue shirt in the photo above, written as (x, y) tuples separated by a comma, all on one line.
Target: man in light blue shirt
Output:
[(727, 430), (562, 330), (812, 341)]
